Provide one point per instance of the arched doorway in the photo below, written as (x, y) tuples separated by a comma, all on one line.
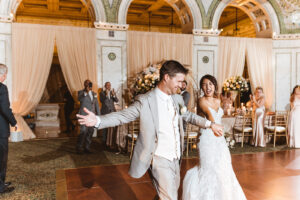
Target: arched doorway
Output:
[(262, 16), (248, 18), (187, 11), (236, 23), (156, 16)]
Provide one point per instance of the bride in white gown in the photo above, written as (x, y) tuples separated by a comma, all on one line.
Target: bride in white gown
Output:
[(213, 178)]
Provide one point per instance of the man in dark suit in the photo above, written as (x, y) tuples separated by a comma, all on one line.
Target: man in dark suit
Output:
[(186, 97), (185, 94), (87, 99), (108, 98), (6, 118)]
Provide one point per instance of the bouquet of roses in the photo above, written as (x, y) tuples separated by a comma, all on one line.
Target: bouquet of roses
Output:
[(236, 83)]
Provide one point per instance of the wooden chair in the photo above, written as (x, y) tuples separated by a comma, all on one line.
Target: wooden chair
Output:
[(191, 137), (243, 126), (277, 125), (133, 132)]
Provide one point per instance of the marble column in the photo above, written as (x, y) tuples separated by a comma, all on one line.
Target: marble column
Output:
[(6, 51), (205, 51), (286, 57), (112, 57)]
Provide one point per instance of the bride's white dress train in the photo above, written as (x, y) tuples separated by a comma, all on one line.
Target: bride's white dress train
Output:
[(213, 178)]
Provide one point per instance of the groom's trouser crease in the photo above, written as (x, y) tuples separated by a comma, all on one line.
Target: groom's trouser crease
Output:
[(165, 175)]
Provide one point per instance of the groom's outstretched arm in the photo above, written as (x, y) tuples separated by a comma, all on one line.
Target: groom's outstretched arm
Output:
[(112, 119), (122, 117)]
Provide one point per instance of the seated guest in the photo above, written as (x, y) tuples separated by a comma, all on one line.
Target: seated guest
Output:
[(294, 118), (258, 104), (226, 101)]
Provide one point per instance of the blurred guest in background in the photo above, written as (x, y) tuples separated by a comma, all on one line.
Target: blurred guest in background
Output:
[(294, 118), (226, 101), (88, 99), (68, 108), (108, 98), (258, 104)]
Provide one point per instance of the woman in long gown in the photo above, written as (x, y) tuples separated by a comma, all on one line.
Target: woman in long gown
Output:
[(213, 178), (258, 103), (294, 119)]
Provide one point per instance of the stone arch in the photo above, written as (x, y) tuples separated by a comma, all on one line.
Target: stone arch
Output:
[(190, 8), (95, 8), (262, 14)]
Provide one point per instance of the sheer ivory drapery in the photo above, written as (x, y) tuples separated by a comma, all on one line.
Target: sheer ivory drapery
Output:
[(33, 47), (144, 48), (231, 57), (76, 48), (32, 50), (261, 69), (231, 61)]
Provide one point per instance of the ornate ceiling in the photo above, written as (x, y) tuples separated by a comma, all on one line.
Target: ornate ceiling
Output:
[(160, 14), (235, 22), (67, 12)]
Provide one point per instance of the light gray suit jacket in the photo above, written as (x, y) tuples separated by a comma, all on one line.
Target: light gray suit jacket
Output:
[(145, 108), (87, 102)]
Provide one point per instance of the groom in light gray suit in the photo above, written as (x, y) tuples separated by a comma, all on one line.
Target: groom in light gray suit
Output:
[(160, 142)]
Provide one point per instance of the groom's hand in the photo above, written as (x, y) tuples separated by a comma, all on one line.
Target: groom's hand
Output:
[(217, 129), (88, 120)]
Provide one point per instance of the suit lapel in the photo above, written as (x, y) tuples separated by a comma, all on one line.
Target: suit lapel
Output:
[(180, 123), (154, 109)]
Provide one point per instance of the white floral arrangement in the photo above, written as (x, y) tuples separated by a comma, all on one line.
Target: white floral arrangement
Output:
[(236, 83), (229, 141), (145, 80)]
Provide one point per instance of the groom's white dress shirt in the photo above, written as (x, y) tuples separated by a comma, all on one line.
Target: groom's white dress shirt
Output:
[(168, 144)]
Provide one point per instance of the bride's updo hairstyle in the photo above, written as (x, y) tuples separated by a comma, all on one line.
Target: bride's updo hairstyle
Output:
[(214, 82)]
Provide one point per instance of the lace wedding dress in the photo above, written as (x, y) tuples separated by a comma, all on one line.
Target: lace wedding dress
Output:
[(213, 178)]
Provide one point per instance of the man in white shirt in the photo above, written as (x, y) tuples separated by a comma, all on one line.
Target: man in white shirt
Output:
[(159, 146)]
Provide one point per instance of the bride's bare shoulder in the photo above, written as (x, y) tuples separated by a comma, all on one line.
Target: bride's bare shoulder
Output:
[(202, 102)]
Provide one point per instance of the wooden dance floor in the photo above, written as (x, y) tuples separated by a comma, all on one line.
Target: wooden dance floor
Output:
[(263, 176)]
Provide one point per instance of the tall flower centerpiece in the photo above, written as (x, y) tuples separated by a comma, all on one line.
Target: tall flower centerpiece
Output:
[(145, 80), (236, 85)]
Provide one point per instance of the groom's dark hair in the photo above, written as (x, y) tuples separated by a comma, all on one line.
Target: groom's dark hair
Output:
[(172, 67)]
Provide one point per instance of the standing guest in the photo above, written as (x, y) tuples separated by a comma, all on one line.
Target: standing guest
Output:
[(258, 104), (185, 94), (226, 101), (294, 118), (6, 118), (186, 98), (107, 98), (88, 99), (68, 108)]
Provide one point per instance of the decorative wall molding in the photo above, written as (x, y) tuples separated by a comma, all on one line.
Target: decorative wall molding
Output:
[(111, 26), (6, 18), (286, 36), (207, 32)]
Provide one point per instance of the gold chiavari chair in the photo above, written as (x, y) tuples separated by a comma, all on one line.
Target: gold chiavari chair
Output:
[(191, 137), (277, 125), (243, 127), (133, 132)]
